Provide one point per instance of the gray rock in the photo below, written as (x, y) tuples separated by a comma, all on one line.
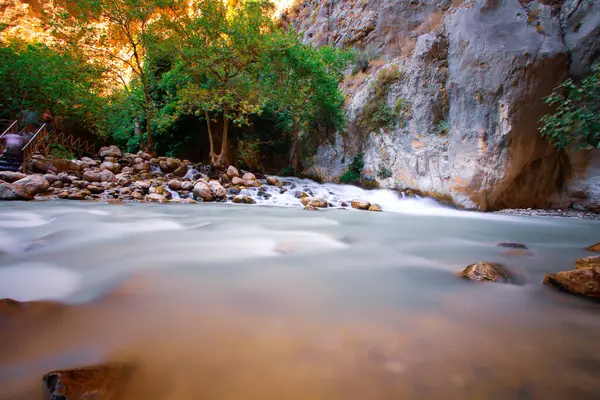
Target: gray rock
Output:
[(217, 189), (92, 176), (202, 191), (110, 151), (10, 191), (10, 176), (187, 186), (33, 184), (107, 176)]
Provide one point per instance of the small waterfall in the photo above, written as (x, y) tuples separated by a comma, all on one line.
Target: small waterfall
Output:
[(174, 194), (154, 168), (191, 174)]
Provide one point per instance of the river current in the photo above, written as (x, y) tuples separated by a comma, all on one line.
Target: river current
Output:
[(222, 301)]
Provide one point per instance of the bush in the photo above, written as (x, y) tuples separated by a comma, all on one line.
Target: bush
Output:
[(354, 171), (443, 127), (377, 114), (384, 173), (287, 171), (58, 151), (577, 117)]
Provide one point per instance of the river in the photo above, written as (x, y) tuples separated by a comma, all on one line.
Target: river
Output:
[(222, 301)]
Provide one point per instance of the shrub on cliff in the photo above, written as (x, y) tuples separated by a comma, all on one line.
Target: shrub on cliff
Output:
[(576, 120)]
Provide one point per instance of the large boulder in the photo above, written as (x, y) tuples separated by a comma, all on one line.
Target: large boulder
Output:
[(218, 190), (594, 247), (110, 151), (10, 176), (587, 262), (582, 282), (202, 191), (107, 176), (10, 191), (484, 271), (40, 166), (92, 176), (33, 184)]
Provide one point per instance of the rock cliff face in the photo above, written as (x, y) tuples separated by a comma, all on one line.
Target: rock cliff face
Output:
[(464, 83)]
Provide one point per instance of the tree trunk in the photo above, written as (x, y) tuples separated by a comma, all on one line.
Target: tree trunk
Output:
[(298, 156), (211, 152), (138, 131), (148, 116), (222, 158)]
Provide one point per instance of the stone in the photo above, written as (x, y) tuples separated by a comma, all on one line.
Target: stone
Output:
[(187, 186), (94, 189), (243, 199), (33, 184), (582, 282), (89, 162), (249, 176), (80, 184), (65, 178), (512, 245), (587, 262), (107, 176), (57, 184), (110, 151), (10, 191), (164, 166), (360, 204), (39, 166), (594, 247), (113, 167), (202, 191), (300, 195), (124, 179), (217, 189), (137, 195), (232, 172), (142, 186), (237, 181), (155, 198), (10, 307), (252, 183), (174, 184), (181, 171), (173, 163), (375, 207), (80, 195), (315, 202), (271, 180), (113, 160), (103, 381), (141, 167), (484, 271), (310, 207), (10, 176), (161, 191), (92, 176)]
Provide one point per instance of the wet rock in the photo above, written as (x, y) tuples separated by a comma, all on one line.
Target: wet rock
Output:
[(271, 180), (142, 186), (156, 198), (252, 183), (137, 195), (486, 272), (33, 184), (10, 307), (310, 207), (315, 202), (92, 176), (127, 170), (77, 195), (237, 181), (187, 186), (512, 245), (80, 184), (174, 184), (113, 167), (202, 191), (300, 195), (360, 204), (141, 167), (587, 262), (64, 178), (161, 191), (10, 191), (103, 381), (232, 172), (218, 190), (39, 166), (249, 176), (58, 184), (110, 151), (582, 282), (111, 159), (94, 189), (107, 176), (89, 162), (375, 207), (181, 171), (124, 179), (594, 247), (10, 176), (243, 199), (233, 191)]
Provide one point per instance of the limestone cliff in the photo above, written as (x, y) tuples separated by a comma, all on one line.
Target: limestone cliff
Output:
[(464, 83)]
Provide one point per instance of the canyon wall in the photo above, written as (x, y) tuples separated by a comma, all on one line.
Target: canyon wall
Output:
[(466, 82)]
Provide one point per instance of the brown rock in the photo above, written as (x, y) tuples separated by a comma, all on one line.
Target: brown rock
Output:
[(107, 176), (582, 282), (10, 176), (80, 195), (156, 198), (161, 191), (94, 189), (181, 170), (271, 180), (202, 191), (587, 262), (310, 207), (92, 176), (252, 183), (39, 166), (237, 181), (218, 190), (594, 247), (360, 204), (242, 199), (110, 151), (33, 184), (249, 176), (103, 381), (486, 272), (375, 207), (10, 191), (232, 172), (187, 186), (174, 184)]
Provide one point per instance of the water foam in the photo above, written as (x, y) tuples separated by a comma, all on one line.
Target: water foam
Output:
[(37, 281)]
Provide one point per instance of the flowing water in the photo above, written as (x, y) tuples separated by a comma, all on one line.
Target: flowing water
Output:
[(221, 301)]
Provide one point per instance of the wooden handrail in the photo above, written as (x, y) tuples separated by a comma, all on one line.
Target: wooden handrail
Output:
[(34, 142), (9, 129)]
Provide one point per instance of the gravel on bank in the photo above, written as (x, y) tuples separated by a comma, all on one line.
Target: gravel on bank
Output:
[(572, 214)]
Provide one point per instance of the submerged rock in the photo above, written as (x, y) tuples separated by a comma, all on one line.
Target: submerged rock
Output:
[(512, 245), (594, 247), (360, 204), (485, 272), (243, 199), (582, 282), (587, 262), (103, 381)]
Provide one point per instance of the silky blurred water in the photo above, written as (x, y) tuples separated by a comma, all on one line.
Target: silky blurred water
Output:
[(256, 302)]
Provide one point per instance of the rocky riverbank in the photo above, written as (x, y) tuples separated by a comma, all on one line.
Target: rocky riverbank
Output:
[(114, 176), (570, 213)]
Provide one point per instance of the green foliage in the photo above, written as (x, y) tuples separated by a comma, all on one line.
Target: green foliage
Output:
[(354, 171), (35, 77), (377, 114), (362, 59), (384, 173), (443, 127), (576, 119), (287, 171), (60, 152)]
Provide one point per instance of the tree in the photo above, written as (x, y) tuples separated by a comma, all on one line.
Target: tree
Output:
[(114, 31), (36, 77), (222, 48), (305, 82), (576, 119)]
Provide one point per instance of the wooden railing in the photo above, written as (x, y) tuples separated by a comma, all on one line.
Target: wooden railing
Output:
[(12, 128), (37, 143), (75, 145)]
